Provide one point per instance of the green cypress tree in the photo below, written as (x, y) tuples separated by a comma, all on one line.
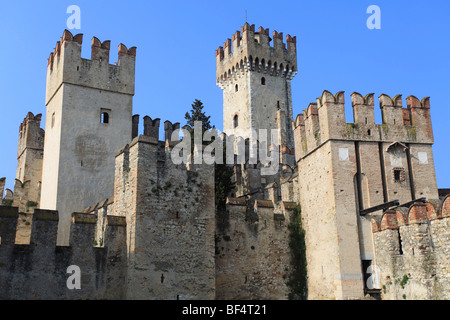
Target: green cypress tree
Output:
[(223, 173), (197, 114)]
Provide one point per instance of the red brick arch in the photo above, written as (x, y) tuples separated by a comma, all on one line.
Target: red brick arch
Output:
[(445, 207)]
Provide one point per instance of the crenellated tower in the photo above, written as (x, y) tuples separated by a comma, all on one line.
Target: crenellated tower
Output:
[(352, 171), (29, 161), (255, 72), (89, 118)]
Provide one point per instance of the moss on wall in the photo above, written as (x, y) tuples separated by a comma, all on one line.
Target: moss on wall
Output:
[(298, 277)]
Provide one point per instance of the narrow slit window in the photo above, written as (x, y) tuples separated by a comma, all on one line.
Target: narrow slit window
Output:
[(263, 81), (236, 88), (235, 121), (400, 245)]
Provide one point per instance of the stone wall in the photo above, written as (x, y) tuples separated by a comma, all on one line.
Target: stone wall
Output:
[(171, 221), (39, 270), (348, 167), (413, 252), (30, 153), (252, 251), (2, 188)]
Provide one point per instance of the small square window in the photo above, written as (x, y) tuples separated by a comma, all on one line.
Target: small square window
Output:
[(399, 174)]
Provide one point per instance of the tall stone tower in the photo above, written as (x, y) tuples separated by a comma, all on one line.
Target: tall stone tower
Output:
[(349, 173), (89, 111), (255, 77), (29, 161)]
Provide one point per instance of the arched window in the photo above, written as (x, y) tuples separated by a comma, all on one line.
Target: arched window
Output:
[(104, 117), (263, 81), (235, 121), (53, 119), (236, 89)]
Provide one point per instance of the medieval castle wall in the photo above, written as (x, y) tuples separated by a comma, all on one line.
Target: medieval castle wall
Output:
[(413, 252), (253, 257), (170, 222), (348, 167), (156, 233), (39, 270)]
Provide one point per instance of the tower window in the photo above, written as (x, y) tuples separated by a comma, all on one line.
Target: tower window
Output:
[(105, 116), (263, 81), (236, 89), (235, 121), (399, 175), (53, 119)]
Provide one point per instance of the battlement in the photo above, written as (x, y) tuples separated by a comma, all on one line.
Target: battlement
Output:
[(418, 213), (151, 127), (252, 247), (2, 188), (325, 120), (31, 135), (252, 51), (412, 244), (45, 265), (65, 65), (268, 210), (44, 227), (147, 162)]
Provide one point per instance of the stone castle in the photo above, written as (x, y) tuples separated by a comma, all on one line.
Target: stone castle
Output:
[(93, 193)]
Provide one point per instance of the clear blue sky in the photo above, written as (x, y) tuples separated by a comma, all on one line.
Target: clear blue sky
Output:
[(176, 43)]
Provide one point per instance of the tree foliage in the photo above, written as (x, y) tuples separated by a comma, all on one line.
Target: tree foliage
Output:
[(223, 173), (196, 114)]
